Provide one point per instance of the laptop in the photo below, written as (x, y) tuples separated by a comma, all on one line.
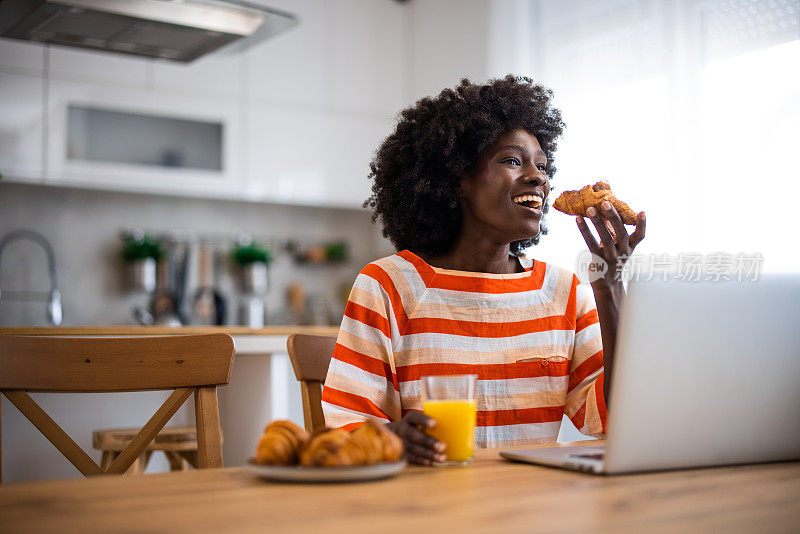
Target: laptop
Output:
[(705, 374)]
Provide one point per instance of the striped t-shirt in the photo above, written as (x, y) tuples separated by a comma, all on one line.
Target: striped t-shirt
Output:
[(533, 339)]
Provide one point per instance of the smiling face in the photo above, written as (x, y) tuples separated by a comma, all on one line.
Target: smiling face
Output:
[(503, 192)]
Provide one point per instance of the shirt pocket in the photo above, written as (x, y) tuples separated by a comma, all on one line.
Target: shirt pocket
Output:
[(552, 364), (535, 382)]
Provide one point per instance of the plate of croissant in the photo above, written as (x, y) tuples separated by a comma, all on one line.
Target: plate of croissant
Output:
[(287, 453)]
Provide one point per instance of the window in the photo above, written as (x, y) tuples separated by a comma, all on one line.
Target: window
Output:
[(691, 110)]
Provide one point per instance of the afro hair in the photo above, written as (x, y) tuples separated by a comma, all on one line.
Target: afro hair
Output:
[(416, 169)]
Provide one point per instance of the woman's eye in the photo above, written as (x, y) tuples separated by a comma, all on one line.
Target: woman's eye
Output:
[(542, 167), (512, 161)]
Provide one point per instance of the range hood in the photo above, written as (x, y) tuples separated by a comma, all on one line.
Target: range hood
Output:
[(179, 30)]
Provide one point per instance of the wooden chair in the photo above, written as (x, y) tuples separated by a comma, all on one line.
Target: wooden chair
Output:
[(187, 365), (310, 355), (178, 443)]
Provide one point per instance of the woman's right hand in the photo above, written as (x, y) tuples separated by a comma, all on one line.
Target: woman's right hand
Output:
[(420, 447)]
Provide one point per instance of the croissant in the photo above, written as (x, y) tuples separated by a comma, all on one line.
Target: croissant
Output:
[(368, 441), (281, 444), (576, 202), (368, 444), (332, 448), (386, 445)]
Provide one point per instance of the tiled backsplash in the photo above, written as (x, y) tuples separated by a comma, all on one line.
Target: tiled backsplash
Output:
[(84, 229)]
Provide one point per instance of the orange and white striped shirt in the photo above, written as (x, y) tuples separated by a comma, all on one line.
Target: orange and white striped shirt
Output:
[(533, 339)]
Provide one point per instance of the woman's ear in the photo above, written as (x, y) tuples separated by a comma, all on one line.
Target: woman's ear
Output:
[(461, 183)]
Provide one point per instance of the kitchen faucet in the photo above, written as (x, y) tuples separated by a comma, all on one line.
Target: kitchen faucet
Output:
[(53, 298)]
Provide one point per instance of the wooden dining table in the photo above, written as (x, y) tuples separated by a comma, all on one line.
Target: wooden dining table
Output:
[(490, 495)]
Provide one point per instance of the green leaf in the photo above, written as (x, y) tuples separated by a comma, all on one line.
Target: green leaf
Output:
[(247, 254), (133, 249)]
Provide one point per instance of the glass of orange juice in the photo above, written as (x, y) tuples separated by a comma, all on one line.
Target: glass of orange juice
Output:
[(450, 400)]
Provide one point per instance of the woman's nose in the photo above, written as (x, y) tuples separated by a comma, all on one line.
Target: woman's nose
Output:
[(536, 177)]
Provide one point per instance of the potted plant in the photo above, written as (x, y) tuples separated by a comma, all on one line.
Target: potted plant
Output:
[(141, 252), (253, 259)]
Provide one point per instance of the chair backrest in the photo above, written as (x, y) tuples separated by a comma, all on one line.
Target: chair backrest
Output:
[(310, 355), (194, 364)]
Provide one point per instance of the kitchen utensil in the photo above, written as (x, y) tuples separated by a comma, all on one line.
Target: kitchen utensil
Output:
[(208, 306), (163, 305)]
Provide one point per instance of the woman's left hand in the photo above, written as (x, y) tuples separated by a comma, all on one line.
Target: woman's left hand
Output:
[(616, 246)]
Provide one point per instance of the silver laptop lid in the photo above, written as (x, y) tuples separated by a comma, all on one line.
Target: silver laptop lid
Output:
[(706, 373)]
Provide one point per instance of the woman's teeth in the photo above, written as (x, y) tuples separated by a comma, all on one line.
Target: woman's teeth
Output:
[(530, 201)]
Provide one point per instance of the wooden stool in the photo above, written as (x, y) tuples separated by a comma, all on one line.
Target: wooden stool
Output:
[(179, 445)]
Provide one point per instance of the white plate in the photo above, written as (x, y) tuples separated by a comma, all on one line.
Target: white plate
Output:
[(292, 473)]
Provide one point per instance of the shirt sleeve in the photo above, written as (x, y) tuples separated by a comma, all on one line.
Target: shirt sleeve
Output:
[(361, 383), (586, 404)]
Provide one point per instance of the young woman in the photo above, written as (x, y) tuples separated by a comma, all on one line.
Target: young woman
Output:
[(461, 188)]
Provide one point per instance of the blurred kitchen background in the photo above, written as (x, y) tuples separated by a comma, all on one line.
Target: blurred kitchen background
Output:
[(258, 153), (689, 108)]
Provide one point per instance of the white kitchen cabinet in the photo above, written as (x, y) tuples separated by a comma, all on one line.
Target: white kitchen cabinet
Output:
[(368, 66), (310, 158), (18, 57), (66, 170), (21, 127), (302, 112), (349, 147), (102, 68), (285, 155), (448, 41), (344, 55), (291, 67), (216, 75)]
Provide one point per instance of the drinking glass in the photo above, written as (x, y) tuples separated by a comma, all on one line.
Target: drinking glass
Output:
[(450, 400)]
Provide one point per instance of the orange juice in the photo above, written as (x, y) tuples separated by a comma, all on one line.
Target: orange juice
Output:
[(455, 426)]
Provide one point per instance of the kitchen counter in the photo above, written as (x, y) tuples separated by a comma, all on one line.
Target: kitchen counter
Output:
[(262, 388), (266, 340), (277, 330)]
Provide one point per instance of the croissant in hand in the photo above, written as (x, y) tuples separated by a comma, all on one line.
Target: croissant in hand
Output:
[(281, 444), (576, 202)]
